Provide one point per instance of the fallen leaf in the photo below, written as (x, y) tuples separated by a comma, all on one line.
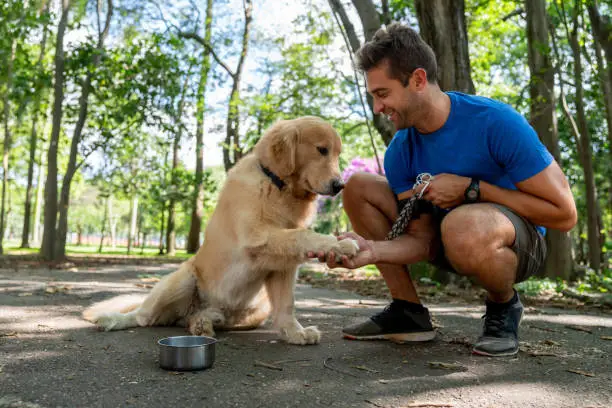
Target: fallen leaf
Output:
[(383, 381), (50, 289), (585, 373), (8, 334), (258, 363), (606, 337), (579, 328), (548, 329), (542, 354), (551, 343), (25, 294), (364, 368), (445, 366)]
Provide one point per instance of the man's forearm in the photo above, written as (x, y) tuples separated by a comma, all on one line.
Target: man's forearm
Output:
[(406, 249), (535, 209)]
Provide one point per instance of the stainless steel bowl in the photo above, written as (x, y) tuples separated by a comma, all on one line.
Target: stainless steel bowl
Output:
[(186, 353)]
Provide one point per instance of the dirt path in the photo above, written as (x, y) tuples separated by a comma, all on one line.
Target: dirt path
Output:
[(49, 357)]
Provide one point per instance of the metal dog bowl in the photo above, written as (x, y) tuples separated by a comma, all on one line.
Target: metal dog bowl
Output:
[(185, 353)]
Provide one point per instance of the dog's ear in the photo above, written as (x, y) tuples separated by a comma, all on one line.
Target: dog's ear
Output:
[(277, 148)]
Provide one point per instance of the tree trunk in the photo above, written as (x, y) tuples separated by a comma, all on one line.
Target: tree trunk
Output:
[(25, 235), (442, 24), (144, 243), (602, 37), (133, 219), (104, 221), (370, 23), (62, 228), (112, 223), (193, 240), (232, 151), (47, 249), (544, 121), (586, 153), (7, 139), (39, 199), (161, 229), (171, 230)]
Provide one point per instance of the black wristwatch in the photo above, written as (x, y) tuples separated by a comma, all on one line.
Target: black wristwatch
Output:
[(472, 193)]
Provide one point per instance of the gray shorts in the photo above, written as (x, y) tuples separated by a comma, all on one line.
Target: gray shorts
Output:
[(529, 245)]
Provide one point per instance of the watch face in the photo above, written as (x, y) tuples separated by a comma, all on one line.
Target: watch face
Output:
[(472, 194)]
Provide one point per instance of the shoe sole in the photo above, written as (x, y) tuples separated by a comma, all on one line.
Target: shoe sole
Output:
[(396, 337), (484, 353)]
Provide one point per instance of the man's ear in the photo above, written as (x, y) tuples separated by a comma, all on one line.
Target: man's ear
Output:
[(419, 76), (277, 148)]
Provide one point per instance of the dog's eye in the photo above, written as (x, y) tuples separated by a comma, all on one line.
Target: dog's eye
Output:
[(323, 150)]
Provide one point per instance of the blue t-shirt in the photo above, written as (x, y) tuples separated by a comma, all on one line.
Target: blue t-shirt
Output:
[(481, 138)]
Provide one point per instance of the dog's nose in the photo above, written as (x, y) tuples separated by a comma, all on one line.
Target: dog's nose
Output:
[(337, 186)]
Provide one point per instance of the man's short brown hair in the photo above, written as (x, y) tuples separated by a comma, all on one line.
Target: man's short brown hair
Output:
[(403, 49)]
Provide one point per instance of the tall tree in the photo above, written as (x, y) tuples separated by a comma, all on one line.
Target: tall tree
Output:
[(47, 249), (73, 164), (176, 143), (38, 96), (7, 136), (602, 39), (544, 120), (370, 22), (581, 132), (442, 26), (232, 149), (193, 239)]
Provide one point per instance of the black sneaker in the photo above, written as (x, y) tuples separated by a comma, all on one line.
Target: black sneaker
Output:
[(500, 334), (400, 322)]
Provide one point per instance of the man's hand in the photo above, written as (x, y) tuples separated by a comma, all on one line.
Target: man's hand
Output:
[(365, 256), (445, 190)]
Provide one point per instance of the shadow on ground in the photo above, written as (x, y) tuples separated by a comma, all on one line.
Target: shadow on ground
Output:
[(49, 357)]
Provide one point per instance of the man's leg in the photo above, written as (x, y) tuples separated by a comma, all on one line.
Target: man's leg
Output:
[(493, 245), (371, 206)]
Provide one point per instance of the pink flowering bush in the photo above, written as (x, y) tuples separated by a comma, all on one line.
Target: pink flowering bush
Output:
[(330, 217)]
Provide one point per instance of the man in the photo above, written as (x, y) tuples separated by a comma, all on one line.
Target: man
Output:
[(488, 167)]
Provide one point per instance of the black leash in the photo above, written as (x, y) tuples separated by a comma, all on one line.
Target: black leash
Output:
[(408, 212)]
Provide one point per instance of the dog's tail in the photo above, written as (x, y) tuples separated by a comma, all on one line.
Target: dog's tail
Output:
[(117, 313)]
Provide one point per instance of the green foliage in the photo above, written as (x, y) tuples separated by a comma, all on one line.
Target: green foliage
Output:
[(537, 286)]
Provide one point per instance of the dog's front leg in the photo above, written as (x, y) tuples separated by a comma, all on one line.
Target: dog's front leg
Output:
[(280, 287)]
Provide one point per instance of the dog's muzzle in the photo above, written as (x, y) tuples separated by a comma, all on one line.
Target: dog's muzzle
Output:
[(336, 186)]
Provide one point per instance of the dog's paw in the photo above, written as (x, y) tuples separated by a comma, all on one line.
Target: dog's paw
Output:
[(302, 336), (201, 327), (348, 247)]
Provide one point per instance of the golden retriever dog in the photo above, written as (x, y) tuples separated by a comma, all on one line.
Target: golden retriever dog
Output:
[(245, 270)]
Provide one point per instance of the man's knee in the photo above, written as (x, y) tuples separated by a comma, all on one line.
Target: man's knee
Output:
[(357, 184), (470, 234)]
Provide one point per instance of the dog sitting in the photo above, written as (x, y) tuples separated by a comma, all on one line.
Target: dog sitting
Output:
[(245, 270)]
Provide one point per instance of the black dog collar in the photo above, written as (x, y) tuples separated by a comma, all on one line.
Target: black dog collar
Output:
[(275, 179)]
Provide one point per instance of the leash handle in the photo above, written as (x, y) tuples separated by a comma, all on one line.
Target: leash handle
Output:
[(404, 217)]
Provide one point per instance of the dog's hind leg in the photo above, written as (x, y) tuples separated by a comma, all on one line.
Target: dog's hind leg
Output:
[(117, 321)]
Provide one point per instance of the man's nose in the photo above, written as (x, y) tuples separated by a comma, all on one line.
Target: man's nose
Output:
[(378, 107)]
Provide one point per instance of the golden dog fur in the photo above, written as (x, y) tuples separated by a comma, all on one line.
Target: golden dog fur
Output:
[(257, 236)]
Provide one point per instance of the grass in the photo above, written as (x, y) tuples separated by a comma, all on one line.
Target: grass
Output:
[(92, 250)]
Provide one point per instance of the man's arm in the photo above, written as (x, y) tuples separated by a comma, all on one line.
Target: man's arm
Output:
[(544, 199), (415, 245)]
